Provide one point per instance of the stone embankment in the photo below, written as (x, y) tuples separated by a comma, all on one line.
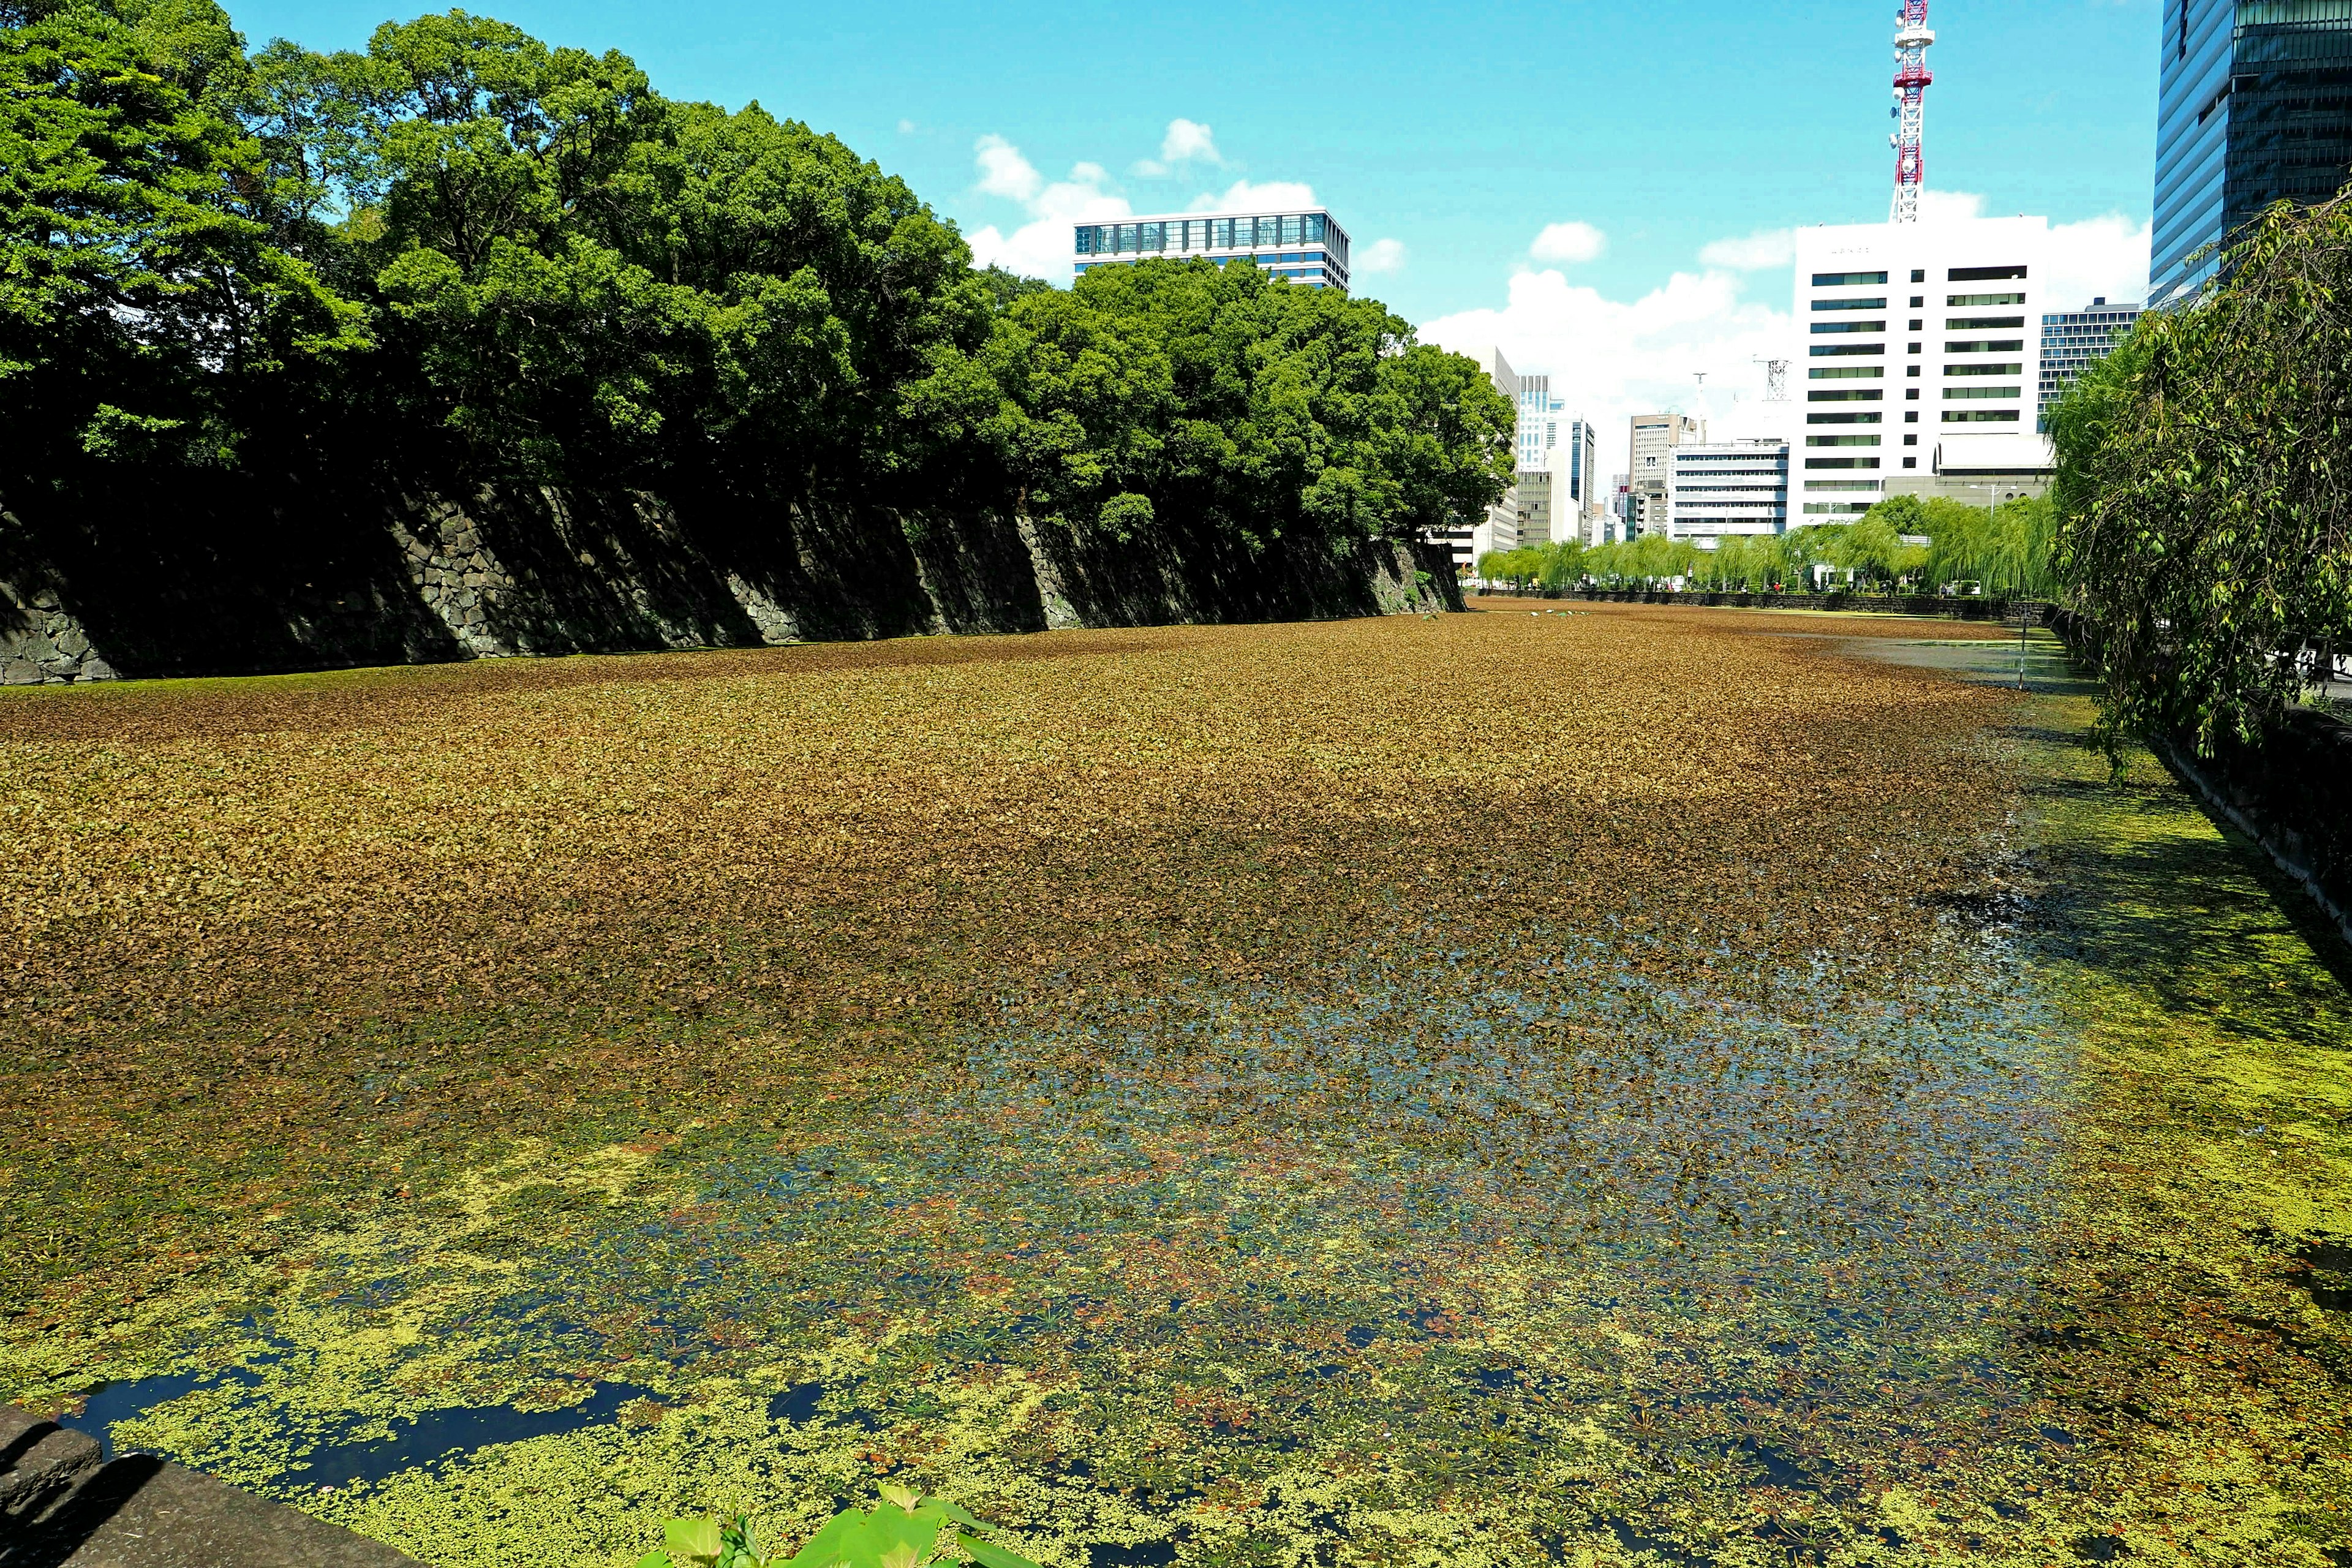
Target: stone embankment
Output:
[(64, 1505), (140, 584), (2290, 790)]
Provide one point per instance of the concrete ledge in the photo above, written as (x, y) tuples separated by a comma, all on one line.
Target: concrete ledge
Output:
[(140, 1512)]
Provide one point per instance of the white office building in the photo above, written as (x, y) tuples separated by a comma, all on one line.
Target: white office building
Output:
[(1922, 348), (1307, 248), (1728, 487)]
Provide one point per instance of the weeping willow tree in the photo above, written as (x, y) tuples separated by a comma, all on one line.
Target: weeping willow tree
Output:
[(2204, 519)]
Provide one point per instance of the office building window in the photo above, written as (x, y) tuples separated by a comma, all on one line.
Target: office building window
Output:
[(1824, 351), (1979, 416), (1877, 304), (1981, 393), (1963, 301), (1982, 274), (1919, 274), (1849, 326), (1841, 462), (1985, 346), (1984, 370), (1845, 372), (1841, 441), (1872, 417), (1980, 323), (1847, 279), (1849, 394)]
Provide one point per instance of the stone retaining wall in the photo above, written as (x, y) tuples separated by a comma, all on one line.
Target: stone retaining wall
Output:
[(143, 583)]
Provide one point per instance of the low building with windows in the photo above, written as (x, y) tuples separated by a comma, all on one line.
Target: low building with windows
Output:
[(1307, 248), (2072, 338), (1725, 488), (1915, 336)]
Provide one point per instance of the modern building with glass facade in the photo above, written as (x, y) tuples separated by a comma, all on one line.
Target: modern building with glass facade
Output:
[(1916, 339), (1307, 248), (2253, 106), (1561, 450), (2072, 338)]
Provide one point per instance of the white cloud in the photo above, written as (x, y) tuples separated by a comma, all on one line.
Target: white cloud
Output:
[(1935, 205), (1380, 255), (1611, 359), (1275, 195), (1756, 253), (1568, 242), (1040, 248), (1003, 171), (2100, 256), (906, 128), (1189, 142)]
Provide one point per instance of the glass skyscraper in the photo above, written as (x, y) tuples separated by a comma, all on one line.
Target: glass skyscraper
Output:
[(2072, 338), (2254, 105)]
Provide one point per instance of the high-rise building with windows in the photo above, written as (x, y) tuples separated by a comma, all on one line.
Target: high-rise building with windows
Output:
[(1307, 248), (1723, 488), (2253, 106), (1649, 501), (1920, 341), (2072, 338), (1556, 453)]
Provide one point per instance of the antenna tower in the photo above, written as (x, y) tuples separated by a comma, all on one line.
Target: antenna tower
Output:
[(1776, 379), (1911, 79)]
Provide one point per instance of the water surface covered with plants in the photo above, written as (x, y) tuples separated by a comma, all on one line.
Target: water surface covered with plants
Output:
[(1620, 1087)]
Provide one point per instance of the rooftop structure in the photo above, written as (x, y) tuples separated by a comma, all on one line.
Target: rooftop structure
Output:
[(1307, 248), (1911, 79)]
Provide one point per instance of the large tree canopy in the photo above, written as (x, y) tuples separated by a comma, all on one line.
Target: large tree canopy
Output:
[(527, 256), (2204, 493)]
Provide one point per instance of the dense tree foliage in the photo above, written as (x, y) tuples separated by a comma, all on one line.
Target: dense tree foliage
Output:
[(528, 256), (2205, 514), (2003, 552)]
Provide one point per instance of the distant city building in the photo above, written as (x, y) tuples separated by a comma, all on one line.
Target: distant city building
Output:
[(1546, 427), (1943, 310), (1307, 248), (1648, 507), (2072, 338), (1728, 487), (1499, 528), (2253, 106), (1610, 527)]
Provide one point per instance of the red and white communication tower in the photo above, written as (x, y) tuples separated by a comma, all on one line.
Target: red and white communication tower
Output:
[(1911, 79)]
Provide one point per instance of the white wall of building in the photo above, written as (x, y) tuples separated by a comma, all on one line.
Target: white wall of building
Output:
[(1897, 357), (1723, 488)]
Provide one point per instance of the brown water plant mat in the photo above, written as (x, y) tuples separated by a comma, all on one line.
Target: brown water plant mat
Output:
[(1629, 1085)]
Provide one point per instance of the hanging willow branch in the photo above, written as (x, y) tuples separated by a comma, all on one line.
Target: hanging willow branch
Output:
[(2205, 531)]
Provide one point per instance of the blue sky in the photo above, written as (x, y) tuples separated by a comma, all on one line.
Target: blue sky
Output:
[(1459, 133)]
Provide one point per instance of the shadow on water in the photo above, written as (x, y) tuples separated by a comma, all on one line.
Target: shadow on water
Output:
[(428, 1437)]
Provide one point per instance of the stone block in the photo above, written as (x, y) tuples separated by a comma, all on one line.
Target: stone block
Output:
[(20, 672), (143, 1513), (40, 1462), (476, 580), (96, 669)]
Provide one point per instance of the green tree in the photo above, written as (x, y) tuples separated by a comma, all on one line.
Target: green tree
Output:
[(2204, 521), (154, 293)]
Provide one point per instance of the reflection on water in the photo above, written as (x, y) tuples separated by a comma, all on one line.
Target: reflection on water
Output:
[(1765, 1234)]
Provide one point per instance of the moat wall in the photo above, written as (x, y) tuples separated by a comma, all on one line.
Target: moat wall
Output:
[(217, 581)]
